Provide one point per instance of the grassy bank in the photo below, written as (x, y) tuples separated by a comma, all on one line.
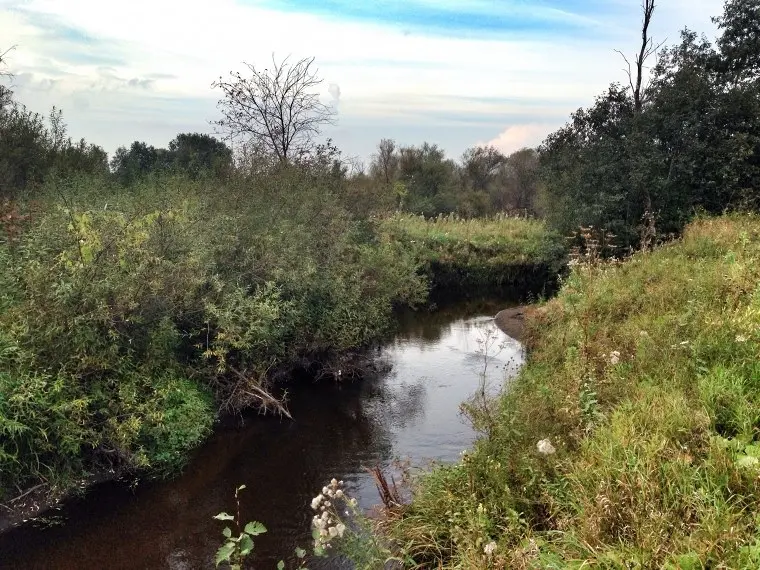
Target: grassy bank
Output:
[(514, 257), (130, 317), (644, 378)]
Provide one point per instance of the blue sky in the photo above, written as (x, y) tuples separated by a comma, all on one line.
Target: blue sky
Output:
[(453, 72)]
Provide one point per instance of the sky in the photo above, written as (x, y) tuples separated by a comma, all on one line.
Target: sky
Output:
[(457, 73)]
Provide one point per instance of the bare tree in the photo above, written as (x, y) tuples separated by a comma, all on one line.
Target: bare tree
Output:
[(276, 110), (647, 49)]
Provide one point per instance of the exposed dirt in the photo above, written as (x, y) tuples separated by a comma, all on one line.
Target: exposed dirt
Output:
[(511, 321)]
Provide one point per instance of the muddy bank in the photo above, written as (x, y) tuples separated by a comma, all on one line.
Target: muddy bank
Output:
[(512, 321)]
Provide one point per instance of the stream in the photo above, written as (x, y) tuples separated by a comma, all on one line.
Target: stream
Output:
[(409, 411)]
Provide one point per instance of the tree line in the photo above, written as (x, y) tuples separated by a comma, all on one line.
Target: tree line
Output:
[(641, 160)]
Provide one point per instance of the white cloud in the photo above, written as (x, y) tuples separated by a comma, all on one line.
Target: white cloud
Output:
[(167, 52), (516, 137)]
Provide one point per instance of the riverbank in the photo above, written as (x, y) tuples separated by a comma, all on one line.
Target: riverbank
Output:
[(630, 437), (130, 321), (409, 409), (516, 258), (512, 321)]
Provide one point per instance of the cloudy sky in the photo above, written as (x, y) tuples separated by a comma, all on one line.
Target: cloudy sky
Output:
[(453, 72)]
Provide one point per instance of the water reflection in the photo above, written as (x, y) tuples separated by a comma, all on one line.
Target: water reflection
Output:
[(339, 430)]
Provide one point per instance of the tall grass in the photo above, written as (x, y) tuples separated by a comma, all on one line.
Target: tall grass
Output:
[(516, 257), (644, 377)]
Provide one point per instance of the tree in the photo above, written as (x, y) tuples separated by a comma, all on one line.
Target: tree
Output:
[(384, 164), (647, 49), (276, 109), (739, 43), (140, 160), (480, 165), (429, 179), (196, 154)]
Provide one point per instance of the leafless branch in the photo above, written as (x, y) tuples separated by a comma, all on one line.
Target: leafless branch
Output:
[(277, 110), (3, 62), (648, 48)]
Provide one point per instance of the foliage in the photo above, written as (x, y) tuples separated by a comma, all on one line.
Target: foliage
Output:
[(130, 317), (500, 253), (31, 152), (691, 143), (630, 437)]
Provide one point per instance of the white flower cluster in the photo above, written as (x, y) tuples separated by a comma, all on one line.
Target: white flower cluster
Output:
[(545, 447), (326, 523)]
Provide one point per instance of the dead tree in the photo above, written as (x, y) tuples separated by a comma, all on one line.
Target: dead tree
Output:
[(648, 48), (275, 109)]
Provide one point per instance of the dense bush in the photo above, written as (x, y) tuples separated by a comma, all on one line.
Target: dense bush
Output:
[(125, 309)]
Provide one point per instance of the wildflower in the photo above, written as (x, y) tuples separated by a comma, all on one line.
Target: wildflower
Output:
[(614, 357), (741, 338), (545, 447), (341, 528), (315, 502), (643, 333), (490, 548)]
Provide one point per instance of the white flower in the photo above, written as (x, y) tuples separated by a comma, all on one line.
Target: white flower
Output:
[(316, 501), (333, 532), (614, 357), (741, 338), (490, 548), (325, 490), (334, 482), (341, 528), (338, 494), (545, 447)]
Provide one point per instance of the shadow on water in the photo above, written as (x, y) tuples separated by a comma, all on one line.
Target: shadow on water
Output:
[(411, 411)]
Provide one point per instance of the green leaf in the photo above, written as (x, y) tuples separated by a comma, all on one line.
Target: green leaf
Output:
[(280, 565), (224, 552), (246, 545), (300, 552), (748, 461), (255, 528), (752, 450), (227, 532), (224, 517)]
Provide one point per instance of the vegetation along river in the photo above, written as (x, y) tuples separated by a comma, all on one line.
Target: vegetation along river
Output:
[(409, 410)]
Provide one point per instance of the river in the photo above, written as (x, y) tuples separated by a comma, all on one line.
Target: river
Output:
[(411, 410)]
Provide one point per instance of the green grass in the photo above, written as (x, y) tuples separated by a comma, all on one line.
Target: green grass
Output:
[(645, 376), (508, 255)]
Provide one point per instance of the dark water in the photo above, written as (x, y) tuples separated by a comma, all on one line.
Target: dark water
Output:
[(412, 411)]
